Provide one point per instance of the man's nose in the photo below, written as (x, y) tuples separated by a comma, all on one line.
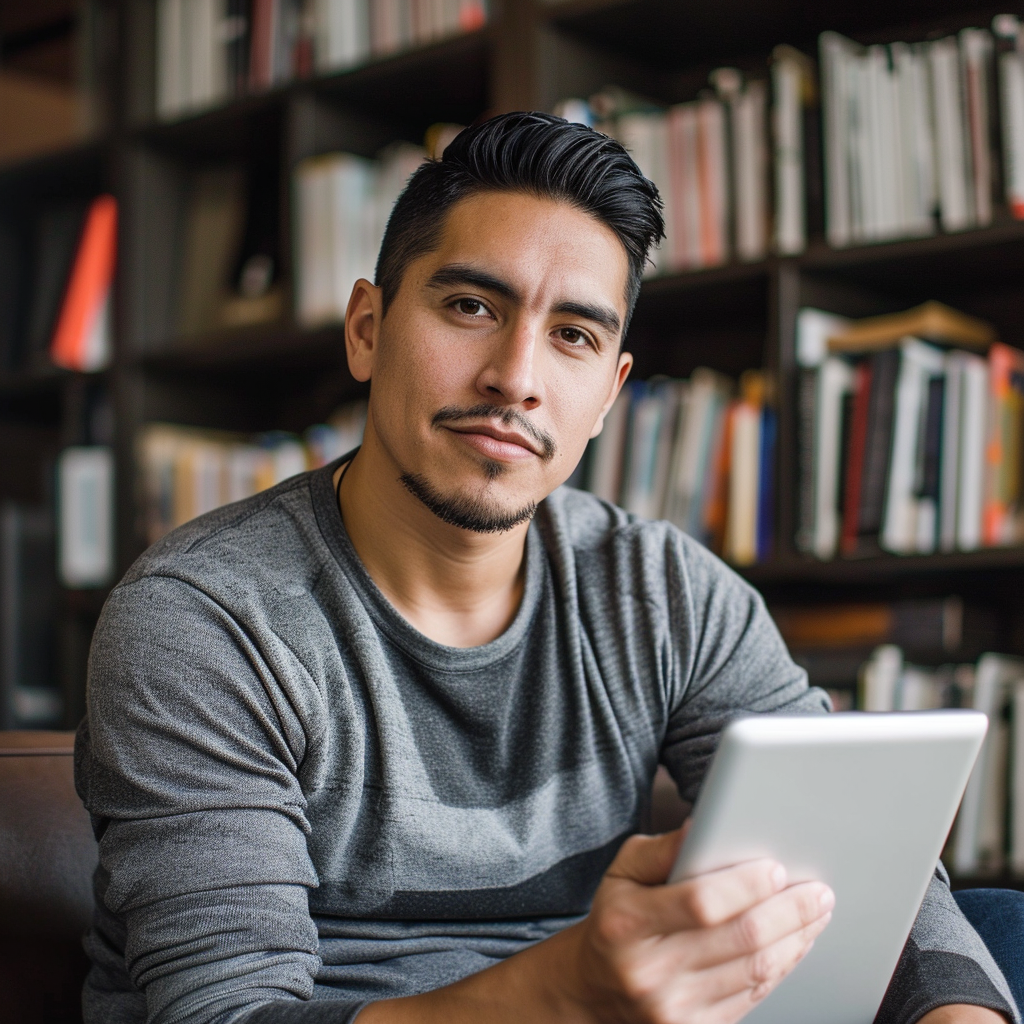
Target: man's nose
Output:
[(509, 375)]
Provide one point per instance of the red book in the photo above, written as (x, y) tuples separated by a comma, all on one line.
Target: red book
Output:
[(81, 339), (856, 448)]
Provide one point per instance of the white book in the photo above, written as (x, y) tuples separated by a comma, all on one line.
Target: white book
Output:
[(835, 381), (836, 51), (85, 511), (750, 156), (691, 450), (951, 148), (1017, 780), (917, 167), (879, 677), (242, 471), (979, 832), (609, 451), (787, 122), (352, 185), (973, 425), (744, 484), (975, 63), (918, 690), (190, 56), (918, 362), (952, 429), (314, 294), (342, 33), (169, 44), (882, 177), (864, 191), (1011, 103), (686, 190)]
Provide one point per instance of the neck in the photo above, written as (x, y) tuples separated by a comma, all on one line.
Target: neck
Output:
[(455, 586)]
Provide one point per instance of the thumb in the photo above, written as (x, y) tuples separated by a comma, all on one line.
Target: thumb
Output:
[(648, 859)]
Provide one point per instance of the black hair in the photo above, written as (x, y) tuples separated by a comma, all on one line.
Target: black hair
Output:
[(533, 153)]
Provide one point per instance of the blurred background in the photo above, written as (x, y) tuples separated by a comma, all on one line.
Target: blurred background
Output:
[(829, 387)]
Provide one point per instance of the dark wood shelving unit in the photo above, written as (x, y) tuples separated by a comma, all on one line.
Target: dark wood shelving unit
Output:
[(531, 54)]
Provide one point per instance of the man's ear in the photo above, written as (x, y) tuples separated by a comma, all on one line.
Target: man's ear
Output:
[(625, 364), (362, 328)]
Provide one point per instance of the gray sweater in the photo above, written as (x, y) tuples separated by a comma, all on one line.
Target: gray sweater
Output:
[(304, 805)]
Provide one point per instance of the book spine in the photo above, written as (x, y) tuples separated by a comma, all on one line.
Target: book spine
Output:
[(855, 459), (807, 390)]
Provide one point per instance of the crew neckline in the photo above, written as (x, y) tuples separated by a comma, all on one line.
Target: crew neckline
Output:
[(399, 630)]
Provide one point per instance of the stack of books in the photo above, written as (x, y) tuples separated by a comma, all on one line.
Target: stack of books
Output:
[(186, 472), (695, 453), (343, 204), (209, 51), (911, 432)]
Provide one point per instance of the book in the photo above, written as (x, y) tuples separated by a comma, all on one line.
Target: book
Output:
[(792, 85), (951, 432), (877, 451), (82, 336), (85, 515), (951, 138), (973, 439), (1017, 779), (1010, 61), (741, 533), (186, 471), (931, 321), (979, 839), (835, 382), (855, 458), (903, 509), (976, 55), (1002, 523)]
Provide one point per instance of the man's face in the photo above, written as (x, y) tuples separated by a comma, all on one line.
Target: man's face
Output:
[(499, 357)]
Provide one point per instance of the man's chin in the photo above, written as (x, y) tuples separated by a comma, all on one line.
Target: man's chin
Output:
[(468, 513)]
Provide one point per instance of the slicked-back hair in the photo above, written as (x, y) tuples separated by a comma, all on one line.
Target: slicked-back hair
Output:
[(533, 154)]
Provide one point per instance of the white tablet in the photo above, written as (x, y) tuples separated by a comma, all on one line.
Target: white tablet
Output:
[(863, 802)]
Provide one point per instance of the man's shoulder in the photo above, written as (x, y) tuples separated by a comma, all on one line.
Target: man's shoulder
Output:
[(591, 526), (258, 536)]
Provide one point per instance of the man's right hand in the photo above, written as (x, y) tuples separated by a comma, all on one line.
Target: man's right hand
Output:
[(707, 949), (703, 951)]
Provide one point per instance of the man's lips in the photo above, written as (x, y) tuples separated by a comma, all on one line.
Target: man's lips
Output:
[(497, 442)]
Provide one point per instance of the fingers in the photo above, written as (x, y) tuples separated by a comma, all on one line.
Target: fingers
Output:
[(708, 900), (786, 913), (748, 979)]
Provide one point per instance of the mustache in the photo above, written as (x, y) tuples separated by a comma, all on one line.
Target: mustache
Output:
[(507, 417)]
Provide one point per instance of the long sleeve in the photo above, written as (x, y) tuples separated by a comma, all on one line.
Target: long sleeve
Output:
[(189, 771)]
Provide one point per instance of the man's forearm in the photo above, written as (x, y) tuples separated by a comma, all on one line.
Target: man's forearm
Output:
[(535, 985)]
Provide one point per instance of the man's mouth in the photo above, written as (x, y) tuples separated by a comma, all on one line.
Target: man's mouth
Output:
[(497, 442)]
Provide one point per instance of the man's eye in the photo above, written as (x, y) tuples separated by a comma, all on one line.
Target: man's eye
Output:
[(470, 307), (572, 336)]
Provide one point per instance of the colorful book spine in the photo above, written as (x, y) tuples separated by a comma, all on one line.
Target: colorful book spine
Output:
[(82, 339)]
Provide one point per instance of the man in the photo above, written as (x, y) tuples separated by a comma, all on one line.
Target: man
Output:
[(373, 743)]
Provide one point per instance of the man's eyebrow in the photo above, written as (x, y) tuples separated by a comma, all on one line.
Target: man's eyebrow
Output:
[(463, 273), (603, 315)]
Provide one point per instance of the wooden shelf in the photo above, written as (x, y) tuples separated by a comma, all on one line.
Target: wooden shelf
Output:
[(674, 36), (270, 348), (945, 569)]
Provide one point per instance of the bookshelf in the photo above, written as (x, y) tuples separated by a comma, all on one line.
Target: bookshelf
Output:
[(278, 375)]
